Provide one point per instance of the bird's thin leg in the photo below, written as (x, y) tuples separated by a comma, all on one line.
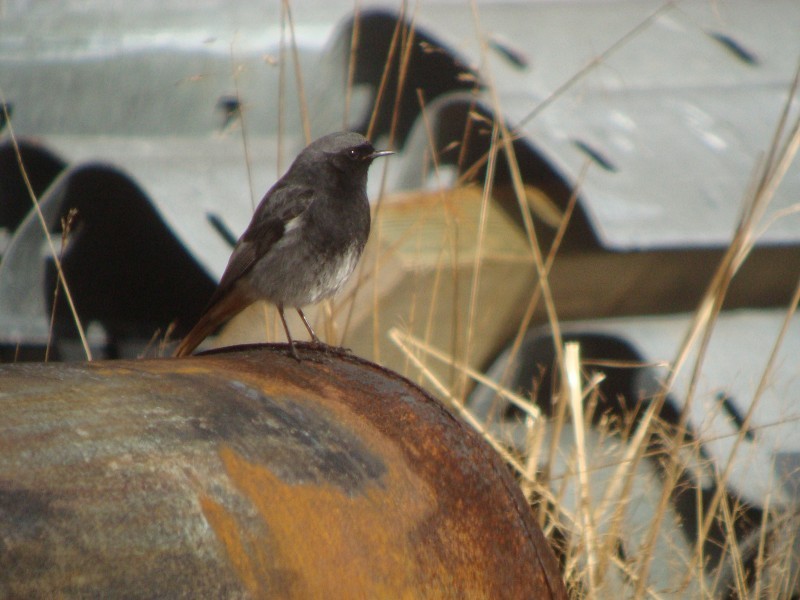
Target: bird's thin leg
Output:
[(314, 339), (288, 335)]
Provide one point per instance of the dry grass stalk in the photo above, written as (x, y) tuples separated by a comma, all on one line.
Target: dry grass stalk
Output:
[(45, 229)]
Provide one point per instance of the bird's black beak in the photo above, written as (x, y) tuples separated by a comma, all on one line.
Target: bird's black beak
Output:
[(379, 153)]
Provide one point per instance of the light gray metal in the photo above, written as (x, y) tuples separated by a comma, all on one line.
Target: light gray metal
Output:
[(733, 364), (680, 114), (143, 85), (761, 457), (732, 368), (675, 121)]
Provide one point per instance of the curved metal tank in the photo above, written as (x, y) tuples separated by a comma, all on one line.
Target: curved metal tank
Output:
[(244, 473)]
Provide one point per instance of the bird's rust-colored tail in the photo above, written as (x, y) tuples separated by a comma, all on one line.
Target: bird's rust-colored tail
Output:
[(217, 313)]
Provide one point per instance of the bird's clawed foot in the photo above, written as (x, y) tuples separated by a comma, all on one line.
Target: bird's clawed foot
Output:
[(315, 343), (293, 351), (318, 346)]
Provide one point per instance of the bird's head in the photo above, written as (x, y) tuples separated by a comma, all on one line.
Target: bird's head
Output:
[(348, 152)]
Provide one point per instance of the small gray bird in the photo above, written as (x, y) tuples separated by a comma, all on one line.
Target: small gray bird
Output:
[(304, 240)]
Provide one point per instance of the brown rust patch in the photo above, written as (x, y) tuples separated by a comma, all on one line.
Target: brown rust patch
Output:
[(477, 500), (336, 543), (242, 553)]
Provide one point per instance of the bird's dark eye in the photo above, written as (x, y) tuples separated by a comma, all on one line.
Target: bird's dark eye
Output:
[(353, 154)]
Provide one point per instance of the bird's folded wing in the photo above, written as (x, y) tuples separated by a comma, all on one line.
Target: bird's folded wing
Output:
[(279, 206)]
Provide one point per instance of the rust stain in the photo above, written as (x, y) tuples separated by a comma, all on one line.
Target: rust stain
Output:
[(447, 537), (213, 365), (238, 550), (334, 544), (331, 538)]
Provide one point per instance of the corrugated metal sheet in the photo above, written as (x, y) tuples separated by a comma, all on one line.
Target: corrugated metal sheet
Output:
[(139, 85), (766, 460), (675, 121), (734, 430), (681, 113), (674, 124)]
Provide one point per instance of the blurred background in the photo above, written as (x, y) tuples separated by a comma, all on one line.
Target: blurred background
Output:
[(617, 175)]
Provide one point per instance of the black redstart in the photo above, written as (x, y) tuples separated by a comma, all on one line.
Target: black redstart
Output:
[(304, 240)]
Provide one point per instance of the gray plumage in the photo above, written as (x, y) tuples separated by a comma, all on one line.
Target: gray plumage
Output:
[(305, 237)]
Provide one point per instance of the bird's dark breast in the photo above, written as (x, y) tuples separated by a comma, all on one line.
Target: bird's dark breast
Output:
[(315, 258), (336, 225), (337, 236)]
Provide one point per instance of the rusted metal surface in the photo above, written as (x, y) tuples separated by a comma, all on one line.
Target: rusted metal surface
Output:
[(247, 474)]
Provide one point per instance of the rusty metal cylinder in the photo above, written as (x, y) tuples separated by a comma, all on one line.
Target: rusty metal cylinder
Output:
[(248, 474)]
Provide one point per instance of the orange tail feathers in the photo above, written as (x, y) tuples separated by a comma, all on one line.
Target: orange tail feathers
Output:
[(230, 305)]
